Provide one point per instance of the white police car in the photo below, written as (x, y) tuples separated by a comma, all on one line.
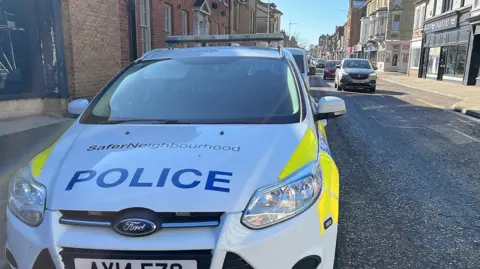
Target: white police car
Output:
[(189, 158)]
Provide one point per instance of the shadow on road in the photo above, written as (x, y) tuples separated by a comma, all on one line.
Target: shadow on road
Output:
[(317, 81)]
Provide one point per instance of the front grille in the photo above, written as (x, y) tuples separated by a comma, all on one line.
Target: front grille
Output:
[(358, 76), (233, 261), (168, 220), (68, 255)]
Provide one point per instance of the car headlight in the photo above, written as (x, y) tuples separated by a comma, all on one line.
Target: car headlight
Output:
[(279, 202), (344, 73), (26, 197), (373, 75)]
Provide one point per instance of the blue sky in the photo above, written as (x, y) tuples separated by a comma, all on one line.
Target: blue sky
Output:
[(312, 17)]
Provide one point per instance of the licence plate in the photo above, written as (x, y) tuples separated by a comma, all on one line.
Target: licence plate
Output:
[(134, 264), (359, 81)]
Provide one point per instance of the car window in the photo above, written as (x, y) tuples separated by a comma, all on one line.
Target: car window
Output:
[(332, 64), (361, 64), (201, 90), (300, 62)]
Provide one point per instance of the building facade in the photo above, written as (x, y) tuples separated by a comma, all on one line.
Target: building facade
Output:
[(271, 18), (473, 77), (353, 30), (59, 50), (417, 37), (386, 31), (32, 66), (447, 36), (338, 43)]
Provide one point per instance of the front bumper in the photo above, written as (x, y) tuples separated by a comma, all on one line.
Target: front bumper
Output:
[(281, 246), (349, 83)]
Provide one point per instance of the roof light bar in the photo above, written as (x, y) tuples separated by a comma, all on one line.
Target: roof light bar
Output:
[(224, 38)]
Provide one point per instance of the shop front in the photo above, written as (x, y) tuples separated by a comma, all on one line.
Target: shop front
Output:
[(370, 52), (415, 56), (31, 56), (474, 66), (445, 49)]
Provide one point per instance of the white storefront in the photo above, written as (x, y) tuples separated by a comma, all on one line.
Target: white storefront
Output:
[(415, 54)]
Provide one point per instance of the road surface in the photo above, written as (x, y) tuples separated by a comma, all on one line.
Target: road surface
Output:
[(410, 179)]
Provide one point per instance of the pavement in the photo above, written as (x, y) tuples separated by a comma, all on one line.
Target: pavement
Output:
[(409, 179), (468, 96)]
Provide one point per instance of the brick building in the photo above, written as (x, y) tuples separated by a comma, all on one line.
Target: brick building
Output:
[(82, 44)]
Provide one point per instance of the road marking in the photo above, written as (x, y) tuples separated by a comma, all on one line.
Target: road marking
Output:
[(373, 107), (466, 135), (428, 103), (453, 135)]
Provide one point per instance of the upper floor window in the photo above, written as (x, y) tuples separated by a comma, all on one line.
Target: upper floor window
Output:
[(396, 23), (447, 5), (145, 25), (184, 22), (168, 20)]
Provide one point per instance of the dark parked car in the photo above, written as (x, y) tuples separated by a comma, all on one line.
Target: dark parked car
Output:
[(330, 69)]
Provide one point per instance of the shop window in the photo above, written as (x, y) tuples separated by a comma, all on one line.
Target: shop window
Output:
[(433, 59), (451, 61), (405, 58), (455, 62), (461, 59), (381, 56), (387, 57), (416, 57)]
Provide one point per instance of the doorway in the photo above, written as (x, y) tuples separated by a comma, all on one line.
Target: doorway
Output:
[(424, 63), (442, 63)]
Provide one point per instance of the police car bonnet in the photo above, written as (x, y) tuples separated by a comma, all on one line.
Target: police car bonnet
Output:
[(168, 168)]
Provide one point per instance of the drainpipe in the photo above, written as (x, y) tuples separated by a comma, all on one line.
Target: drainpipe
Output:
[(132, 30)]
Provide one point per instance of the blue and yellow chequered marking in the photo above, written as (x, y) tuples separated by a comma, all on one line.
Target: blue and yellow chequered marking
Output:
[(328, 205), (39, 161), (305, 153)]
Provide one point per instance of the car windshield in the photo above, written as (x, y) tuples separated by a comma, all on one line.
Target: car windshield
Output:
[(361, 64), (300, 62), (201, 90), (332, 64)]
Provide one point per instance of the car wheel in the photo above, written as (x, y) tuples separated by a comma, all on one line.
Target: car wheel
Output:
[(339, 88)]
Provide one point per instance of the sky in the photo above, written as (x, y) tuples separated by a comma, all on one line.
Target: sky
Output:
[(312, 18)]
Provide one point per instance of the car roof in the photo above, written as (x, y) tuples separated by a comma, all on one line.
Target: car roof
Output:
[(225, 51), (296, 50), (355, 59)]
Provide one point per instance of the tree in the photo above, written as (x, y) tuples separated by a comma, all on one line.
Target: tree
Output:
[(289, 41)]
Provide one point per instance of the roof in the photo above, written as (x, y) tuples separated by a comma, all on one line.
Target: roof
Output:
[(296, 50), (239, 51)]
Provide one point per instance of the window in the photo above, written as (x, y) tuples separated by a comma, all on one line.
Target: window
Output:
[(416, 22), (455, 62), (218, 28), (461, 59), (396, 23), (168, 20), (381, 56), (420, 18), (184, 22), (300, 62), (405, 58), (145, 25), (416, 57), (447, 5), (433, 59), (245, 90), (360, 64)]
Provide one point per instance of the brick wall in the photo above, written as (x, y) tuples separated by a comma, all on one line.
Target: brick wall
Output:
[(92, 44), (216, 18)]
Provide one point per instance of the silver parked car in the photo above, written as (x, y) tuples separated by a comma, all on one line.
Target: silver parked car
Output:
[(356, 74)]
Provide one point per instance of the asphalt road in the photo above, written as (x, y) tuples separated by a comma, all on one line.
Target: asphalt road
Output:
[(410, 180)]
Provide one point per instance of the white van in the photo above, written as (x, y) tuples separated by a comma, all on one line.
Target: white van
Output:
[(301, 60)]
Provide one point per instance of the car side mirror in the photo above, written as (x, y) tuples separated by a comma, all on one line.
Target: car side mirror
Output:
[(337, 66), (312, 70), (77, 107), (330, 107)]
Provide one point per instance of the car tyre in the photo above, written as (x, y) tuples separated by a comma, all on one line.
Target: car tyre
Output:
[(339, 88)]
